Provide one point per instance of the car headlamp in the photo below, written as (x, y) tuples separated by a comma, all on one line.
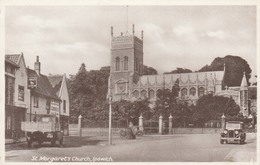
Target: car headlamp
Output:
[(236, 132), (225, 131)]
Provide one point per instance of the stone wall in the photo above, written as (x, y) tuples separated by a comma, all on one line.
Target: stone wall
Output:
[(195, 130)]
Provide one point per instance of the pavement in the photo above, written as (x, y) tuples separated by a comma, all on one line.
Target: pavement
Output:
[(10, 141)]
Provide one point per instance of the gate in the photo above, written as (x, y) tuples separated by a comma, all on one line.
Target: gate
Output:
[(151, 127)]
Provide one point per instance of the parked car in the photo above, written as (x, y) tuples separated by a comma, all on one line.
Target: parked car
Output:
[(45, 129), (234, 132)]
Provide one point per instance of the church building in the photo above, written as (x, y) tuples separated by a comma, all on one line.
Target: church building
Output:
[(127, 81)]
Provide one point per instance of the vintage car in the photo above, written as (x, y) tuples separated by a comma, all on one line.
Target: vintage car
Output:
[(45, 129), (233, 133)]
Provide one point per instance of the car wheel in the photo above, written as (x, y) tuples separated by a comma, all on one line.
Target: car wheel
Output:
[(241, 142), (221, 141)]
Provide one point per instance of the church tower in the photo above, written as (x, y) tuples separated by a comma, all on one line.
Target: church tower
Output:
[(126, 64), (244, 96)]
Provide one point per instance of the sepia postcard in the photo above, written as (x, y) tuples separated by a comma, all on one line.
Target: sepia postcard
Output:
[(129, 81)]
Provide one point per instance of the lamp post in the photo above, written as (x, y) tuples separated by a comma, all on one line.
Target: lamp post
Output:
[(110, 111)]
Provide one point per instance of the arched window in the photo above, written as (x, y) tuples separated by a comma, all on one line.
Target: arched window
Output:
[(184, 92), (143, 94), (125, 63), (151, 94), (117, 63), (192, 91), (201, 91), (136, 94)]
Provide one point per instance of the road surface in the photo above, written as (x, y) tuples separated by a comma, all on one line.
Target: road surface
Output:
[(156, 148)]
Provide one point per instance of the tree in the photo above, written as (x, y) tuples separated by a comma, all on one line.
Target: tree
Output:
[(212, 108), (125, 110), (87, 92), (166, 101), (149, 70), (235, 66), (179, 70), (79, 91)]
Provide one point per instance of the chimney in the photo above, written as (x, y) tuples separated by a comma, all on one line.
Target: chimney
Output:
[(111, 31), (133, 29), (37, 66)]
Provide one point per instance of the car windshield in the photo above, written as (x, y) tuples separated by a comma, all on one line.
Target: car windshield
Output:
[(233, 126)]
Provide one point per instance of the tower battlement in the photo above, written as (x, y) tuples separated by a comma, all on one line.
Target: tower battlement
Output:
[(126, 40)]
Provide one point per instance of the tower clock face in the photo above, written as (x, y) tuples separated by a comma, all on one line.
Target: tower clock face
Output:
[(121, 87)]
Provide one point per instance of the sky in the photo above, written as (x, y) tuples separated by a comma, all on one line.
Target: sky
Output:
[(174, 36)]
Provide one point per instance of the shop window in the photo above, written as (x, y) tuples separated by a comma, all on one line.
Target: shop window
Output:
[(36, 102), (21, 93), (48, 104)]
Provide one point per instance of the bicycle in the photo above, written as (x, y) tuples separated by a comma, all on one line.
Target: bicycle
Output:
[(129, 132), (16, 136)]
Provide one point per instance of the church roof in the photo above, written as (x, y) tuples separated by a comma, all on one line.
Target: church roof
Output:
[(44, 87), (183, 77)]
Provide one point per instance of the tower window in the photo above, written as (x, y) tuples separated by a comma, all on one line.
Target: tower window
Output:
[(117, 63), (125, 63)]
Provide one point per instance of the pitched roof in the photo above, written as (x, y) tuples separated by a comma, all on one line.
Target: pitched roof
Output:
[(44, 87), (56, 81), (13, 57), (7, 60)]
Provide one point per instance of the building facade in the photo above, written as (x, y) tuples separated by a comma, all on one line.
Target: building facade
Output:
[(43, 97), (127, 81), (13, 114), (59, 84), (244, 95)]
